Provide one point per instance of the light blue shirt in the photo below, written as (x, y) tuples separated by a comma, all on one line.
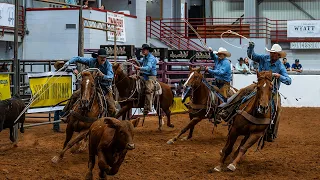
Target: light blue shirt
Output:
[(149, 65), (265, 65), (105, 68), (222, 69)]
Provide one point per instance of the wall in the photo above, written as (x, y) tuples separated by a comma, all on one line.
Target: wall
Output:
[(53, 41), (227, 9), (6, 53), (285, 10), (298, 94), (153, 9), (118, 5)]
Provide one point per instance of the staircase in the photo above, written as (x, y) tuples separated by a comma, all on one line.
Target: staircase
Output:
[(171, 37)]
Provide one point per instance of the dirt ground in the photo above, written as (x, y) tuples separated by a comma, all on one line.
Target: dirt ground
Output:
[(294, 155)]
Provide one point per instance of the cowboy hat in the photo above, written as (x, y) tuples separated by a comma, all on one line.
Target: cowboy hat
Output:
[(222, 50), (276, 48), (146, 46), (241, 59), (58, 65)]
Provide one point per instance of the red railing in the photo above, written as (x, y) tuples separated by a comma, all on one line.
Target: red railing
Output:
[(6, 29), (165, 29), (170, 36)]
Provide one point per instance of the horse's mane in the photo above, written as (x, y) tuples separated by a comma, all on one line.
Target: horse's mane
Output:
[(86, 73)]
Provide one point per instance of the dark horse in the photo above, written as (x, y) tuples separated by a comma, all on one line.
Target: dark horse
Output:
[(203, 103), (252, 119), (10, 109), (131, 99), (84, 112)]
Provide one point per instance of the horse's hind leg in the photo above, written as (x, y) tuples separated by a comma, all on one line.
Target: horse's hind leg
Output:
[(12, 134), (168, 114), (226, 151), (253, 138), (22, 119), (191, 124)]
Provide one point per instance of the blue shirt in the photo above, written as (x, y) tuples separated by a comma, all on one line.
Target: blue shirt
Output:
[(294, 66), (149, 66), (287, 65), (222, 69), (105, 68), (265, 65)]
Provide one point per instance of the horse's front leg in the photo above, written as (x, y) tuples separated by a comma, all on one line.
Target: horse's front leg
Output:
[(191, 124)]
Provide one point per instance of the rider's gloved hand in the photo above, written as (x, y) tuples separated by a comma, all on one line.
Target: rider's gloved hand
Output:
[(251, 44)]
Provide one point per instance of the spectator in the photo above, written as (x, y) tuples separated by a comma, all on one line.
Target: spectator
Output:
[(56, 126), (101, 7), (286, 64), (297, 66), (246, 61), (211, 53), (254, 66), (85, 4), (241, 66)]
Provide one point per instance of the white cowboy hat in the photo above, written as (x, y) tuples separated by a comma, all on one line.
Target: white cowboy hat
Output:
[(210, 48), (222, 50), (277, 49)]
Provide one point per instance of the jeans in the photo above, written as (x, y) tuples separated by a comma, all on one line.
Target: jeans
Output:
[(57, 115)]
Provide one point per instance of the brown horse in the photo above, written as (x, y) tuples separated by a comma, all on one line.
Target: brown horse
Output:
[(252, 120), (202, 104), (84, 112), (131, 99)]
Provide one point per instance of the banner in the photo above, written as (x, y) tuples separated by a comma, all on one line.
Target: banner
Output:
[(53, 91), (303, 28), (5, 87), (119, 20), (304, 45), (6, 15)]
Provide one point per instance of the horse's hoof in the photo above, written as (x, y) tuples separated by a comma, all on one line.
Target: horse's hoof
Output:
[(217, 169), (55, 159), (159, 129), (22, 130), (231, 167), (170, 126), (171, 141)]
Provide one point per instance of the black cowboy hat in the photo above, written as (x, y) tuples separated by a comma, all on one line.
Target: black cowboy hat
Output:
[(241, 59), (146, 46), (297, 60)]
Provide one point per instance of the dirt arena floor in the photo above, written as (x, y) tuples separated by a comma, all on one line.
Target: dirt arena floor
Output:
[(294, 155)]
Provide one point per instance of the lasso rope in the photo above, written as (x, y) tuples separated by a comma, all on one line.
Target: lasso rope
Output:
[(234, 33), (36, 96), (204, 45)]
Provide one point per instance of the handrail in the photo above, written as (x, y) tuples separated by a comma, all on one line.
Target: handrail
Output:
[(253, 27)]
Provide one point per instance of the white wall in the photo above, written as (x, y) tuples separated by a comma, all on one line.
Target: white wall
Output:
[(49, 39), (303, 91)]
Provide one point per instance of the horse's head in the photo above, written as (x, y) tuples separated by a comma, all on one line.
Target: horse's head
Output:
[(195, 77), (118, 71), (264, 91), (88, 89), (4, 68)]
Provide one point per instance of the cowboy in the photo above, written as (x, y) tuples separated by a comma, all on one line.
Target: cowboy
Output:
[(266, 63), (221, 71), (149, 73), (99, 61)]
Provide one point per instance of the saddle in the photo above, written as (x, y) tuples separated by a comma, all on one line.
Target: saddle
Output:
[(140, 83)]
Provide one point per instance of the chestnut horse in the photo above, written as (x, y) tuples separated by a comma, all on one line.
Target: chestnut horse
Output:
[(252, 120), (84, 112), (131, 99), (203, 103)]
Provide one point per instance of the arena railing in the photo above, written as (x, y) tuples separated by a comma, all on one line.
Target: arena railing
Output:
[(207, 28)]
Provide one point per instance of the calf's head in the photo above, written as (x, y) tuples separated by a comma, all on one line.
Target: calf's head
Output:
[(124, 132)]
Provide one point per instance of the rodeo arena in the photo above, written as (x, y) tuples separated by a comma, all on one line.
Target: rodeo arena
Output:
[(159, 89)]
